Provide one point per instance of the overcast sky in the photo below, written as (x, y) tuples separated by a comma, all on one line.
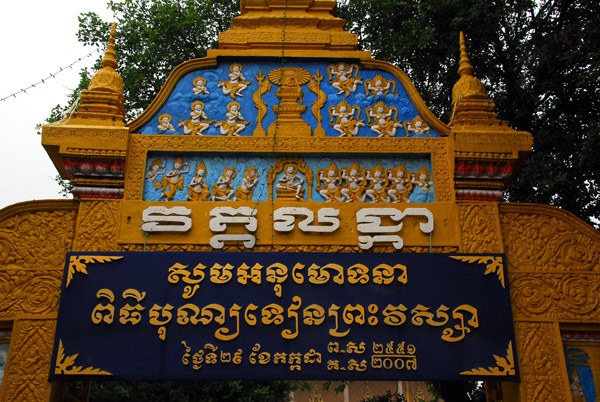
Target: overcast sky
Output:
[(38, 38)]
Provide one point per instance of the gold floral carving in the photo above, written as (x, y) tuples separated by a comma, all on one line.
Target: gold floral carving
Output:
[(540, 365), (541, 238), (97, 226), (558, 296), (480, 228), (22, 226), (29, 292), (26, 375), (66, 364), (79, 264), (504, 365), (140, 145), (492, 265), (56, 131)]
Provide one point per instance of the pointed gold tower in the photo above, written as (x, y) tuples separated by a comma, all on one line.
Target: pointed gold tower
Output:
[(488, 152), (88, 146)]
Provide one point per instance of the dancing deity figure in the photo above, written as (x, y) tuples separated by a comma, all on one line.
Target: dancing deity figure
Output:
[(341, 78), (377, 190), (157, 168), (197, 123), (235, 123), (237, 82), (355, 183), (345, 120), (331, 189), (383, 122), (249, 183), (164, 123), (291, 181), (223, 190), (173, 180), (200, 86), (401, 184), (198, 189)]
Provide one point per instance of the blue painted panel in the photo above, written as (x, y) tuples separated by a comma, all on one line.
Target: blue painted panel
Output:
[(178, 103), (216, 164), (367, 316)]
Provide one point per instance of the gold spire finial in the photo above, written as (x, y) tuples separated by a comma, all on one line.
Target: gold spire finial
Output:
[(464, 66), (110, 56), (107, 77), (470, 104)]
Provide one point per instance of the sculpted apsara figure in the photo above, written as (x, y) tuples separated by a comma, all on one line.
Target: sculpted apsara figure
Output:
[(383, 122), (235, 121), (416, 126), (164, 123), (157, 168), (380, 86), (401, 184), (198, 189), (422, 179), (332, 181), (345, 120), (198, 123), (341, 78), (355, 183), (173, 180), (223, 190), (249, 183), (237, 82), (377, 192), (291, 181), (200, 86)]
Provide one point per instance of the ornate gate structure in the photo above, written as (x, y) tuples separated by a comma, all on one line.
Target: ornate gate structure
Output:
[(289, 139)]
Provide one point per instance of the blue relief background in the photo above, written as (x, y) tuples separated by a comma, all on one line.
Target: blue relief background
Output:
[(178, 103), (216, 164)]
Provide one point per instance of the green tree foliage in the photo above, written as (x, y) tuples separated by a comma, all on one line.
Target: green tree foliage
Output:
[(154, 37), (540, 62)]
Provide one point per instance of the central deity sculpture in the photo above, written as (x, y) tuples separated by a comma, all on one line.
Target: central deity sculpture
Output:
[(289, 112)]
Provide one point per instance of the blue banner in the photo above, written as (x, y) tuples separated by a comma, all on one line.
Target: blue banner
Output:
[(251, 315)]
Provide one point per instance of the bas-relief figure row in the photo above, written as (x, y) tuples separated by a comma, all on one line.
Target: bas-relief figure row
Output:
[(349, 104), (192, 181)]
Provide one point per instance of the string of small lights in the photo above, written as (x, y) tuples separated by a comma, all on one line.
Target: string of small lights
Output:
[(50, 76)]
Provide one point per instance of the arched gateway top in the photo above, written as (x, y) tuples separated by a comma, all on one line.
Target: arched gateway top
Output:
[(287, 140)]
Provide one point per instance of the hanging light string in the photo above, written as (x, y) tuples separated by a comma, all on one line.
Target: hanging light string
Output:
[(43, 80)]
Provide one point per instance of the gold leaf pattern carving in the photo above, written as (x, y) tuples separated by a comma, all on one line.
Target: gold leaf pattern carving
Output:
[(560, 296), (66, 364), (26, 376), (23, 225), (492, 264), (540, 365), (97, 226), (480, 229), (504, 365), (78, 264), (541, 238)]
